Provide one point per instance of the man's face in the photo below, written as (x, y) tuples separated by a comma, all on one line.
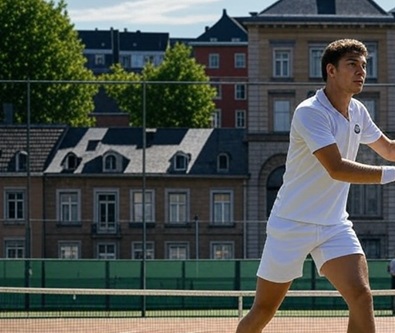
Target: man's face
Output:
[(350, 73)]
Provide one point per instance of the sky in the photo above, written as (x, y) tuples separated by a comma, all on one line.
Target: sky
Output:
[(180, 18)]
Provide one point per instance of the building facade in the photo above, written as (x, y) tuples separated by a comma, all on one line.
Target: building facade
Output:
[(110, 193), (223, 50)]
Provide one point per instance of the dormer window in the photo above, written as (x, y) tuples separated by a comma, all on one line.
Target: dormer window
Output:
[(111, 162), (181, 161), (223, 162), (100, 59), (21, 161), (71, 162)]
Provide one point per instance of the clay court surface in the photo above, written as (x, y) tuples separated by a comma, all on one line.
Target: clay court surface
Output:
[(180, 325)]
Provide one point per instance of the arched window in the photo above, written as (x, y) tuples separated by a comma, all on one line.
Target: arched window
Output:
[(180, 161), (71, 162), (274, 182), (21, 161), (110, 163), (223, 162)]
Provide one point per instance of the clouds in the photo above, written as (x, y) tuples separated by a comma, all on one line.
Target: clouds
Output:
[(141, 12)]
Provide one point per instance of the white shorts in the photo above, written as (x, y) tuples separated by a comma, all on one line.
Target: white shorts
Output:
[(289, 242)]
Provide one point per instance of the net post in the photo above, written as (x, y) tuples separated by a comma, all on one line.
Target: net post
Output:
[(240, 307)]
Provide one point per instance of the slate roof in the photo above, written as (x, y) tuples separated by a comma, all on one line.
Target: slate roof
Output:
[(327, 11), (143, 41), (115, 40), (226, 29), (43, 140), (98, 39), (104, 103), (201, 145)]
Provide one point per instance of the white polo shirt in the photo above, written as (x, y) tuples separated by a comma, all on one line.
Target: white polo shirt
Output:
[(308, 193)]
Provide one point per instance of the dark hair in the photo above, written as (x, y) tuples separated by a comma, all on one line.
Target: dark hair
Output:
[(337, 50)]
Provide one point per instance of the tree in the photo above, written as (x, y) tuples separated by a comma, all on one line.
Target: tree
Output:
[(39, 43), (177, 93)]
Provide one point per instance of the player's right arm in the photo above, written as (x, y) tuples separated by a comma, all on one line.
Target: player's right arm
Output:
[(346, 170)]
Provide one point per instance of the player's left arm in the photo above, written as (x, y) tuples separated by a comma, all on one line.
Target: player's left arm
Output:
[(384, 147)]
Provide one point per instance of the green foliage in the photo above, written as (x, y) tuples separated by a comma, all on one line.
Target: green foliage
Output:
[(38, 42), (176, 93)]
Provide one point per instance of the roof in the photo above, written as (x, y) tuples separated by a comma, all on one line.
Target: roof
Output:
[(327, 11), (98, 39), (226, 30), (104, 104), (202, 146), (123, 41), (143, 41), (43, 140), (180, 40)]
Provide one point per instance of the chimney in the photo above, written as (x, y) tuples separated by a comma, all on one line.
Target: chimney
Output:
[(8, 113)]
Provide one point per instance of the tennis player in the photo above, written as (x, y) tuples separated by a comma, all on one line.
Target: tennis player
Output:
[(309, 215)]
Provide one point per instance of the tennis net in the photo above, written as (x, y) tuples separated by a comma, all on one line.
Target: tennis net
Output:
[(58, 310)]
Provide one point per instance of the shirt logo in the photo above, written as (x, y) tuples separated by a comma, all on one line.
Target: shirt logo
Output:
[(357, 129)]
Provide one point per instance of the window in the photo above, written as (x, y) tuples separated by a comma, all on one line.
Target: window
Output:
[(274, 182), (281, 115), (370, 104), (216, 119), (106, 251), (14, 248), (371, 66), (100, 59), (69, 250), (137, 206), (178, 251), (213, 60), (137, 250), (218, 88), (21, 161), (240, 60), (106, 210), (68, 206), (315, 53), (125, 61), (110, 162), (177, 204), (149, 59), (240, 118), (371, 247), (364, 201), (137, 61), (223, 162), (282, 63), (221, 205), (15, 205), (71, 162), (222, 250), (240, 91), (181, 162)]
